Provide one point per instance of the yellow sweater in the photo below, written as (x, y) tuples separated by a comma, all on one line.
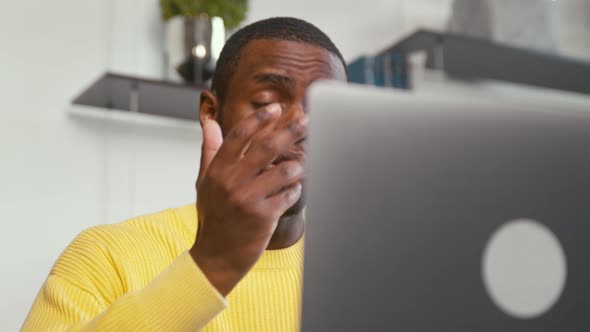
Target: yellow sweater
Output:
[(138, 276)]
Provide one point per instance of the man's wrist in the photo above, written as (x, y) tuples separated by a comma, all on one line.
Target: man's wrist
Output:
[(218, 272)]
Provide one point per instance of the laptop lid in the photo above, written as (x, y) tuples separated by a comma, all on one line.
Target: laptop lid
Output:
[(406, 194)]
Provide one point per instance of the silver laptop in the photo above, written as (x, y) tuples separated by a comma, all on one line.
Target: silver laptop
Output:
[(445, 213)]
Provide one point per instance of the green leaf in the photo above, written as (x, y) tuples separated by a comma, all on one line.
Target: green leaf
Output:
[(232, 12)]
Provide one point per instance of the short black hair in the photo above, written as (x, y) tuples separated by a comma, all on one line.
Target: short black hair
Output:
[(282, 28)]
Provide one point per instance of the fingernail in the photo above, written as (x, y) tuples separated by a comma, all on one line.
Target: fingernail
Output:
[(304, 120), (274, 108), (263, 115), (299, 187)]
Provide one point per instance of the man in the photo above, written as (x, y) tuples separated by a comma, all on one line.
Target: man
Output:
[(234, 263)]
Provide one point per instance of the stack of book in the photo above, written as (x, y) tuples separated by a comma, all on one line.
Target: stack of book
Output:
[(386, 70)]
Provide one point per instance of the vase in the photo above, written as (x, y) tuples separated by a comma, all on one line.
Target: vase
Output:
[(525, 24), (575, 25), (188, 55)]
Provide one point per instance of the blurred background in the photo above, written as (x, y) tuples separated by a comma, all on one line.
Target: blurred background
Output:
[(68, 166)]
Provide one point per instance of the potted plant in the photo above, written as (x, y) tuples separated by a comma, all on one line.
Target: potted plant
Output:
[(189, 30), (231, 11)]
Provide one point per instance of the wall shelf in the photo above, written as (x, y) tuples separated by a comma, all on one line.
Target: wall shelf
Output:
[(475, 59), (458, 56), (137, 95)]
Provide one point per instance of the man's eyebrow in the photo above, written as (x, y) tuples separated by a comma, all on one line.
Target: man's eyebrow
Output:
[(277, 81)]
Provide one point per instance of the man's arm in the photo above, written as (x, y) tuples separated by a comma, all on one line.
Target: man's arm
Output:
[(240, 202), (241, 194), (178, 299)]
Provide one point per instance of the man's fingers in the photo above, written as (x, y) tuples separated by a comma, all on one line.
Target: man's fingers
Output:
[(284, 199), (264, 150), (239, 138), (277, 178), (212, 141)]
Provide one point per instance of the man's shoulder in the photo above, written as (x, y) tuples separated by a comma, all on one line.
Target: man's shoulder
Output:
[(177, 221), (170, 230)]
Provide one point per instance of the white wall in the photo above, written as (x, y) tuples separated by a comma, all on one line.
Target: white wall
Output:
[(60, 173), (359, 28), (49, 167), (355, 29)]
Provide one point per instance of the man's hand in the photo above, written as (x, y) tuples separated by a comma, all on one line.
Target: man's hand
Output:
[(241, 196)]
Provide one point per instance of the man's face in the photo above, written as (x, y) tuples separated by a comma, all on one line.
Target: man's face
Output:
[(277, 71)]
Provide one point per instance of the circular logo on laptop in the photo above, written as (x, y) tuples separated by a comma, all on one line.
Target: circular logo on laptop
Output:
[(524, 268)]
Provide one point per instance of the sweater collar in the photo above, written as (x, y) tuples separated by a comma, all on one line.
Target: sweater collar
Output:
[(280, 259)]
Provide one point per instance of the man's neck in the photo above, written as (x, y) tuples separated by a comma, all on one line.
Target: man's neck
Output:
[(288, 232)]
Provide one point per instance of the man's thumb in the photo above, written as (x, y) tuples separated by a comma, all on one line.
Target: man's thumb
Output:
[(212, 140)]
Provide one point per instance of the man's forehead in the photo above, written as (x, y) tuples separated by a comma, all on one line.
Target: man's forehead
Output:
[(289, 58)]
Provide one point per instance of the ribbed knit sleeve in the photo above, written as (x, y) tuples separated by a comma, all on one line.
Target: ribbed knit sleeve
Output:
[(76, 297), (138, 276)]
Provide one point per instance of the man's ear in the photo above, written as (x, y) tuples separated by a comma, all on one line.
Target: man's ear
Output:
[(209, 108)]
